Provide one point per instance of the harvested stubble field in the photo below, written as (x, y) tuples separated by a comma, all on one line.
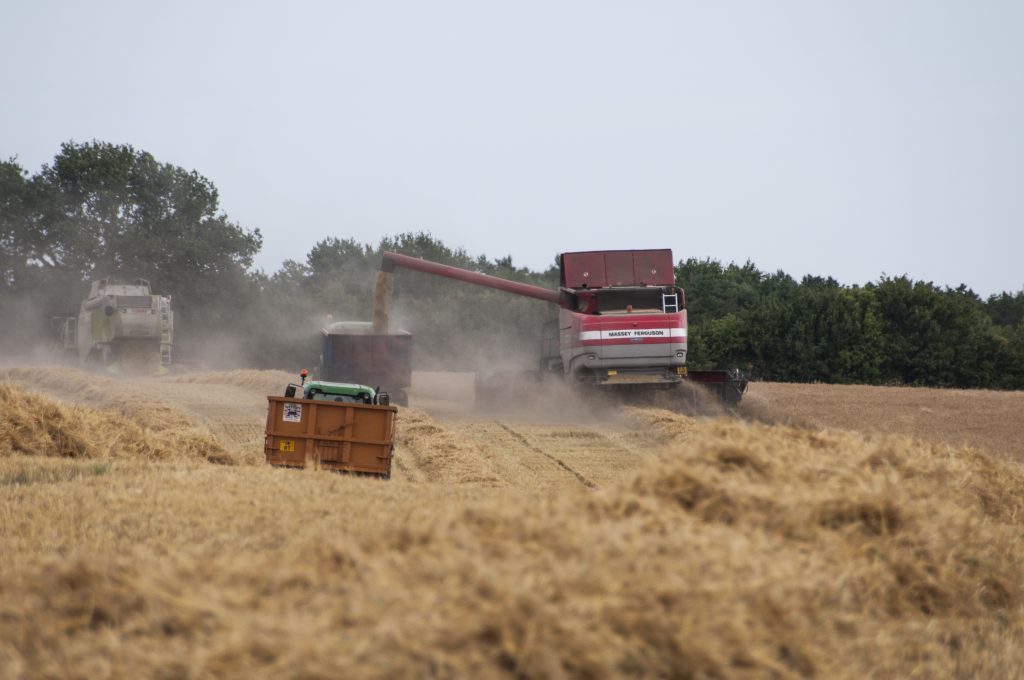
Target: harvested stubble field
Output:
[(141, 537)]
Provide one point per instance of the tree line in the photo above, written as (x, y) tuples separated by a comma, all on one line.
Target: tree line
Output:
[(892, 331), (104, 210)]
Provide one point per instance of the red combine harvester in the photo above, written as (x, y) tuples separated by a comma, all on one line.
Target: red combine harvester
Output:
[(621, 322)]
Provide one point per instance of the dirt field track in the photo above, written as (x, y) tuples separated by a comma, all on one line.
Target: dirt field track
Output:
[(827, 531)]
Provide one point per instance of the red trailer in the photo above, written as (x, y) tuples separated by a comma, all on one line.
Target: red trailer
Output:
[(621, 319)]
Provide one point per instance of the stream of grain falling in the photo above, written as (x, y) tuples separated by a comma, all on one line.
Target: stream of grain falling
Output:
[(382, 302)]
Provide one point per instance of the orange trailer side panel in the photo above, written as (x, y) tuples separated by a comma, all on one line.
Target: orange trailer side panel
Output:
[(330, 435)]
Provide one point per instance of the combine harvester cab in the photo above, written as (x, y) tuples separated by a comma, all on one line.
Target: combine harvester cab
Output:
[(621, 321), (341, 427)]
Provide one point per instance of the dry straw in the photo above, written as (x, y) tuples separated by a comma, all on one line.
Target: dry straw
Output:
[(32, 425), (738, 550), (264, 382)]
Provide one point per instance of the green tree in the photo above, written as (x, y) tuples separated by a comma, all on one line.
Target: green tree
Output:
[(110, 210), (15, 221), (713, 291), (1006, 309), (1011, 365), (30, 292), (115, 208), (935, 336), (835, 334)]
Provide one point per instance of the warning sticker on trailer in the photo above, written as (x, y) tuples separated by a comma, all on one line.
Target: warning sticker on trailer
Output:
[(292, 413)]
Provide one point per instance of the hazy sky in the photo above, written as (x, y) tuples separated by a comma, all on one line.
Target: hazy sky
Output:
[(834, 138)]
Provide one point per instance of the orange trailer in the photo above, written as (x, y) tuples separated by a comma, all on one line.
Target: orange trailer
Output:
[(330, 435)]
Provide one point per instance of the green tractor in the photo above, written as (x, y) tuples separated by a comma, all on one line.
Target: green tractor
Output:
[(351, 393)]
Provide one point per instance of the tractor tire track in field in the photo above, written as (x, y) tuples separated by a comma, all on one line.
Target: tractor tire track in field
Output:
[(600, 453), (504, 453), (545, 456), (514, 461), (403, 465), (526, 443), (401, 470)]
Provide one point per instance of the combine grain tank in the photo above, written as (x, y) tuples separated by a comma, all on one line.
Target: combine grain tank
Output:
[(621, 320)]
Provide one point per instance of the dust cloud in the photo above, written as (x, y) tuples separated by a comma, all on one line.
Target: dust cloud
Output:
[(519, 395), (28, 333), (528, 396)]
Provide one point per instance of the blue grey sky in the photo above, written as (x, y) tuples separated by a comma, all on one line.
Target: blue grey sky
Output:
[(834, 138)]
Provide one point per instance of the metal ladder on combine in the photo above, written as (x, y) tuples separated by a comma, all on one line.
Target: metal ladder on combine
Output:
[(166, 333), (69, 336), (669, 302)]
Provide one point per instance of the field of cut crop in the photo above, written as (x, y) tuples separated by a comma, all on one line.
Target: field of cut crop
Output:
[(826, 531)]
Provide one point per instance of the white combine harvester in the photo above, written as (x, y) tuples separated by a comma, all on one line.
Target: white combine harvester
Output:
[(121, 327)]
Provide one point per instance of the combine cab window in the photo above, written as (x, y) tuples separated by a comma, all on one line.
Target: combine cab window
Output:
[(138, 301), (617, 301)]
